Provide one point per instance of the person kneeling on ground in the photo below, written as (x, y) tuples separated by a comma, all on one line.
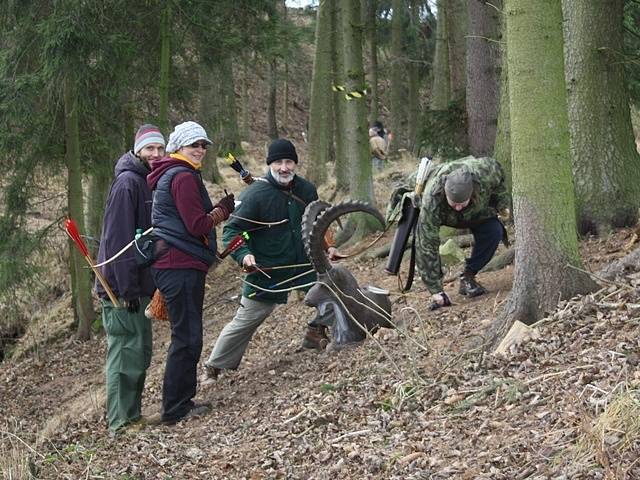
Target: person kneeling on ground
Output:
[(466, 193)]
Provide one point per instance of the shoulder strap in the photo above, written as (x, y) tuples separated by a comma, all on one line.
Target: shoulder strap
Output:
[(412, 262), (284, 192)]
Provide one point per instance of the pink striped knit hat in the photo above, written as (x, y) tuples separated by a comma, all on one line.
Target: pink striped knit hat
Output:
[(145, 135)]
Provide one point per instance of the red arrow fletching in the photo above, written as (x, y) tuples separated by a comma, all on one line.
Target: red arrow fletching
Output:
[(72, 230), (235, 243)]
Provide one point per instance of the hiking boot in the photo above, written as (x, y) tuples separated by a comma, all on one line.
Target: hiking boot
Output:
[(211, 372), (130, 428), (469, 286), (315, 338), (197, 410)]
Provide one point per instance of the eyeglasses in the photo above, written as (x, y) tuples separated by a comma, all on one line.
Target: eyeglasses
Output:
[(201, 145)]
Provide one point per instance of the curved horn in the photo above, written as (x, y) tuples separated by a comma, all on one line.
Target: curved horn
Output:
[(309, 216), (314, 243)]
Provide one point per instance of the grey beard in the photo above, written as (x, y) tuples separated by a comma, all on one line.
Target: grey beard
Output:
[(284, 181)]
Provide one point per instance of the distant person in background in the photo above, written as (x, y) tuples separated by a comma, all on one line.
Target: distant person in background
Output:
[(129, 348), (378, 149), (382, 133), (184, 218)]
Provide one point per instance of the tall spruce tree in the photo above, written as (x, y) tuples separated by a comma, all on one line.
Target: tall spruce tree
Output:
[(441, 88), (356, 138), (483, 76), (164, 74), (342, 164), (320, 121), (371, 20), (398, 75), (543, 196), (456, 19), (606, 164)]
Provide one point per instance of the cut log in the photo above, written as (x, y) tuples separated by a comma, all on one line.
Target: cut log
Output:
[(518, 333)]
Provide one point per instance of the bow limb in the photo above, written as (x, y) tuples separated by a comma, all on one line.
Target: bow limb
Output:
[(124, 249), (266, 224)]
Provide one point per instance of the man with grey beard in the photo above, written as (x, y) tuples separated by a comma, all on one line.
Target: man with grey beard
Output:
[(278, 199)]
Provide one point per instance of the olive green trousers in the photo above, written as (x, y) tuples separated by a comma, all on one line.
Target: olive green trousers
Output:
[(129, 349)]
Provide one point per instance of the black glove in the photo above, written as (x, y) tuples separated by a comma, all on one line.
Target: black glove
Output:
[(227, 203), (435, 305), (133, 306)]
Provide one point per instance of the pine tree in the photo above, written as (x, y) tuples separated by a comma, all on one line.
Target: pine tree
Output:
[(320, 121), (483, 76), (456, 19), (398, 76), (441, 89), (356, 137), (606, 164), (371, 19), (547, 260), (342, 164)]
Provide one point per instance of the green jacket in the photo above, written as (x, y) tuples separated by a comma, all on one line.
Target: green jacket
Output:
[(266, 201), (488, 198)]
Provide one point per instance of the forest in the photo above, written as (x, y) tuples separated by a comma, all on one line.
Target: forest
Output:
[(536, 379)]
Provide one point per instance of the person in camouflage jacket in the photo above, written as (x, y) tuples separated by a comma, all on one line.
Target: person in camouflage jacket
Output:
[(466, 193)]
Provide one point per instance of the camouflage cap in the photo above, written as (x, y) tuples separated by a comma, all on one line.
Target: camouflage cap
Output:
[(459, 185)]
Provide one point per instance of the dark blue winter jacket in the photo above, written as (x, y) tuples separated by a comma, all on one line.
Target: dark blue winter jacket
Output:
[(128, 208)]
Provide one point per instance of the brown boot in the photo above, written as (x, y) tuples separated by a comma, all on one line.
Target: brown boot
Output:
[(210, 374), (315, 338)]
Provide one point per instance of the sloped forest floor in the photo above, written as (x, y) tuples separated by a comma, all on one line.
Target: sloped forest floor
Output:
[(418, 402)]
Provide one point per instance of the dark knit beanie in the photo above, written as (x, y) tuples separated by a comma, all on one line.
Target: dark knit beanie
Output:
[(281, 149)]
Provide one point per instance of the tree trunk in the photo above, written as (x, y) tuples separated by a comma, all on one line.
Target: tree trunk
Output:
[(441, 91), (228, 127), (413, 75), (606, 165), (81, 278), (543, 196), (356, 137), (456, 33), (371, 15), (320, 131), (285, 80), (272, 122), (244, 98), (483, 76), (210, 111), (100, 179), (502, 150), (398, 123), (127, 134), (165, 64), (341, 167)]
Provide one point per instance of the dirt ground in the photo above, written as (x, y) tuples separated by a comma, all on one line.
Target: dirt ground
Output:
[(419, 402)]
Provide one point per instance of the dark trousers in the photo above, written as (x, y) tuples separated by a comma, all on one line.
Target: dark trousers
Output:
[(183, 291), (486, 238)]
